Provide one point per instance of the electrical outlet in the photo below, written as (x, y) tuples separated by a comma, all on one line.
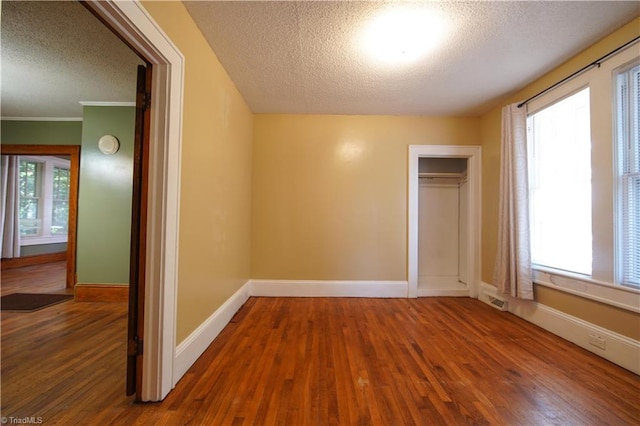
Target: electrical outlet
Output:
[(597, 341)]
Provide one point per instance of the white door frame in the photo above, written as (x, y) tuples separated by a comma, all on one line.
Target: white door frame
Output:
[(473, 156), (133, 23)]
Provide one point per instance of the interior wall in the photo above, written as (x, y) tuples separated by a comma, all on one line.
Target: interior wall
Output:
[(37, 249), (439, 239), (104, 197), (330, 193), (41, 132), (215, 177), (463, 260), (596, 313)]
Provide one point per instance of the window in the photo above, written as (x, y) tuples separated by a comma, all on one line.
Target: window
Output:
[(584, 163), (44, 199), (30, 189), (628, 174), (560, 184), (60, 201)]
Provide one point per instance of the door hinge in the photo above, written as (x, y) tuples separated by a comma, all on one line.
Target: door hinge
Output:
[(147, 101), (134, 348)]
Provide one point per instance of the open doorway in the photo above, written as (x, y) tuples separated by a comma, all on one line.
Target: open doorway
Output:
[(134, 25), (97, 269), (443, 200), (137, 29), (67, 185), (450, 191)]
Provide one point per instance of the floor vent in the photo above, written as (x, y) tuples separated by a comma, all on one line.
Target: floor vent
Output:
[(496, 302)]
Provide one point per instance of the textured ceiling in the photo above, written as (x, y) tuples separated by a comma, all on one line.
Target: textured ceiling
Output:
[(306, 57), (55, 54)]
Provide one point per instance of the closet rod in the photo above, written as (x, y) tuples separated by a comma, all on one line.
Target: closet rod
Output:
[(440, 175)]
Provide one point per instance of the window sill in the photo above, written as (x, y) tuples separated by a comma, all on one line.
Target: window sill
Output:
[(34, 241), (627, 298)]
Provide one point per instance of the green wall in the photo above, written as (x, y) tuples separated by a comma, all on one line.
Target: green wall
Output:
[(104, 204), (41, 133), (104, 198)]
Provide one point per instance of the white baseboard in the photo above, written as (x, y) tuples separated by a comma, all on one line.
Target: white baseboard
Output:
[(190, 349), (441, 286), (619, 349), (435, 292), (310, 288)]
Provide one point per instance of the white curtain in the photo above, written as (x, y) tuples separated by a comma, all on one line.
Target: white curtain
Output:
[(10, 207), (512, 273)]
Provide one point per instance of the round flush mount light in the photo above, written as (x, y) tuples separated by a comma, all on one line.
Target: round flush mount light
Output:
[(108, 144), (403, 35)]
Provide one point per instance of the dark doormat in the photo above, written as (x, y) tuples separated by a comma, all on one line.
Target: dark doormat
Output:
[(29, 302)]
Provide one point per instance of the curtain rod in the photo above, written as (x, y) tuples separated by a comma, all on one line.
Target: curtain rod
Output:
[(580, 71)]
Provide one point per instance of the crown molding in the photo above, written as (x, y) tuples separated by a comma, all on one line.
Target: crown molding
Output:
[(101, 103)]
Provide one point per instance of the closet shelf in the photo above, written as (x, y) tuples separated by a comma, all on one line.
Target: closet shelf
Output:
[(442, 175)]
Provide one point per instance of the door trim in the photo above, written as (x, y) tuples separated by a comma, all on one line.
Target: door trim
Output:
[(135, 26), (473, 156)]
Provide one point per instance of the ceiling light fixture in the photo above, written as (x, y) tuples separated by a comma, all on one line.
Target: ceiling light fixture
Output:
[(400, 36)]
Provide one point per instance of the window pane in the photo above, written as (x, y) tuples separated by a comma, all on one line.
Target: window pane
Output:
[(60, 203), (631, 238), (28, 217), (29, 198), (29, 172), (59, 219), (634, 95), (628, 140), (60, 183), (560, 185)]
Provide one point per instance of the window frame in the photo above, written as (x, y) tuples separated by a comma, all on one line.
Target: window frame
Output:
[(45, 203), (37, 196), (603, 285), (619, 172)]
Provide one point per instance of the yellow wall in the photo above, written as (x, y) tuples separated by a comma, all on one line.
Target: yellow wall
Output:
[(215, 204), (330, 193), (618, 320), (607, 316)]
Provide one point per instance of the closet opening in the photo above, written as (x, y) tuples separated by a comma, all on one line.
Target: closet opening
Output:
[(444, 221), (443, 191)]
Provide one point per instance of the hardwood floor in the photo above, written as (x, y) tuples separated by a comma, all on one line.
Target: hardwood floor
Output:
[(297, 361), (63, 363), (44, 278)]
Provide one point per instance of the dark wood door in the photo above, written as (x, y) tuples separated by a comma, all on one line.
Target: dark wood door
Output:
[(138, 233)]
